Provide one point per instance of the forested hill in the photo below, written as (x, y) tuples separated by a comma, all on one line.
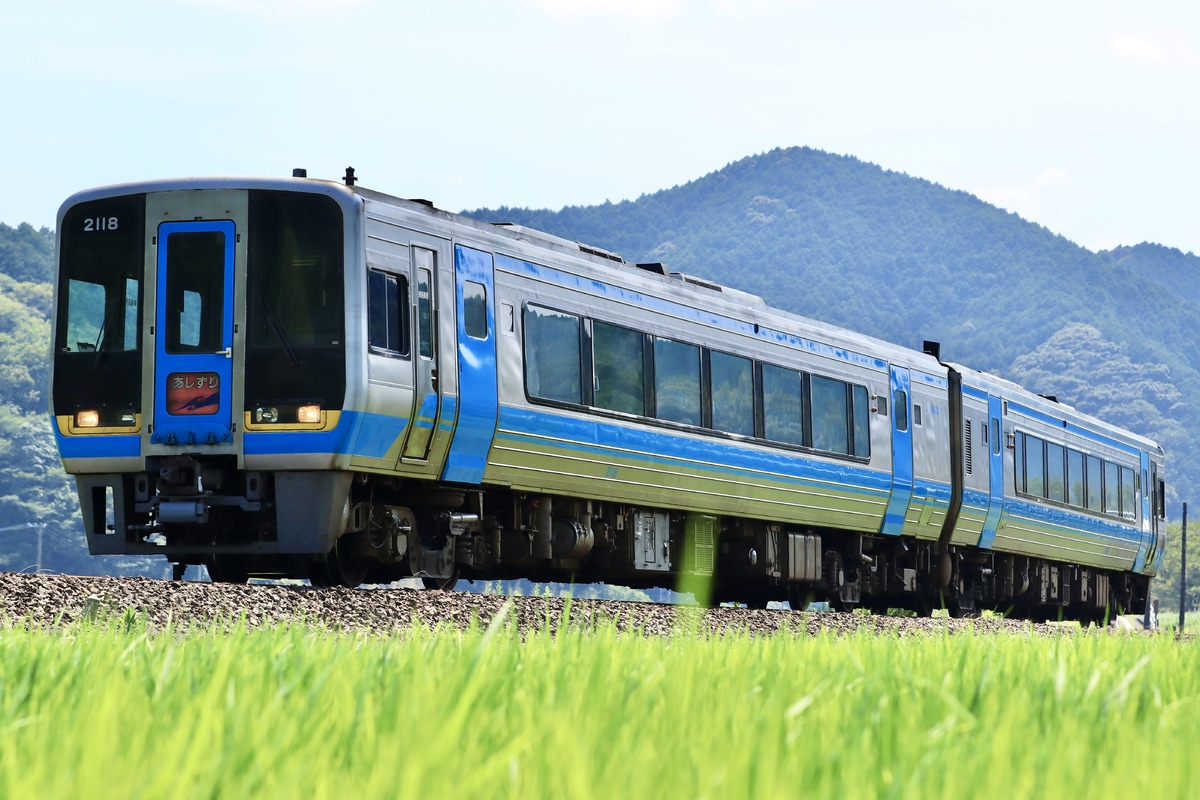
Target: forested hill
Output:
[(844, 241)]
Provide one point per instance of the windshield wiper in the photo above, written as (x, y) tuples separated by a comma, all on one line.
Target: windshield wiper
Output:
[(274, 323)]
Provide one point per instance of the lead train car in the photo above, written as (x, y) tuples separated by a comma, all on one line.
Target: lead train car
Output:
[(291, 377)]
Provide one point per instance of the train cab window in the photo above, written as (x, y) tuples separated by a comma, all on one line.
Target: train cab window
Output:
[(862, 422), (783, 419), (677, 381), (1075, 494), (387, 313), (900, 399), (1056, 479), (1112, 490), (830, 415), (552, 355), (475, 316), (295, 274), (618, 355), (101, 259), (917, 414), (85, 316), (1128, 494), (195, 292), (1095, 484), (1162, 498), (732, 379)]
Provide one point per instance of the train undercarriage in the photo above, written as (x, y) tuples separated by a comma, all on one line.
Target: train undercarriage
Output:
[(344, 529)]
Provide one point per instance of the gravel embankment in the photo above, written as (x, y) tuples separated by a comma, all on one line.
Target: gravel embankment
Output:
[(46, 600)]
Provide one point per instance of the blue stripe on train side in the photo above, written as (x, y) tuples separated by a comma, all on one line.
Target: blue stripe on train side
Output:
[(98, 446), (377, 433), (598, 436), (1109, 533)]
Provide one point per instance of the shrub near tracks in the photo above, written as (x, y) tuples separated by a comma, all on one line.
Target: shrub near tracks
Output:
[(110, 708)]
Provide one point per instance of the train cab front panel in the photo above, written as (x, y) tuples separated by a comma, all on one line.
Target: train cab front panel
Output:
[(200, 369)]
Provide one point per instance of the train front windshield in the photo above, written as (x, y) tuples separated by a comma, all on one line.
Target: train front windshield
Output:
[(97, 339), (295, 336)]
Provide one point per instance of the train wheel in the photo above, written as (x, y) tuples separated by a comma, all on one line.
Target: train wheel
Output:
[(441, 584), (227, 569), (800, 597)]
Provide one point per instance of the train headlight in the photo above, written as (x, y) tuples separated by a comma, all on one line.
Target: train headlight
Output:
[(266, 414), (309, 413), (87, 419)]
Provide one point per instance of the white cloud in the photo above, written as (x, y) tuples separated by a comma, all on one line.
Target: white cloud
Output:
[(633, 9), (739, 6), (292, 9), (1040, 202), (1154, 49)]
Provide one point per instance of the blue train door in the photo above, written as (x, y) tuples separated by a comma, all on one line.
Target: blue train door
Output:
[(902, 454), (995, 472), (193, 336), (474, 290)]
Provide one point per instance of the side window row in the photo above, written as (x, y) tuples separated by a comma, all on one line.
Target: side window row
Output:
[(575, 360), (1053, 472)]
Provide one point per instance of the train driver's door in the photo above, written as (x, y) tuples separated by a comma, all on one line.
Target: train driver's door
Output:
[(426, 397)]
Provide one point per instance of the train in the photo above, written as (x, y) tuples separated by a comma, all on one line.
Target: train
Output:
[(298, 378)]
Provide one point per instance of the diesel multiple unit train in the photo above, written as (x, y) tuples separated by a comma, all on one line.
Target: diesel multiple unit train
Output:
[(307, 379)]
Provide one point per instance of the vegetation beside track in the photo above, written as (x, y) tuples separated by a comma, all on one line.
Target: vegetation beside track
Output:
[(106, 706)]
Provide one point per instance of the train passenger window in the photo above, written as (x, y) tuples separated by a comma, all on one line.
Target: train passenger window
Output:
[(1095, 484), (677, 381), (618, 355), (782, 417), (387, 313), (830, 415), (1056, 479), (552, 355), (900, 399), (732, 393), (995, 440), (475, 316), (1035, 466), (1075, 494), (1128, 493), (1112, 490), (862, 422)]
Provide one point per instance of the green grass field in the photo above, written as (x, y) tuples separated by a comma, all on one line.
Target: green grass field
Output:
[(111, 710)]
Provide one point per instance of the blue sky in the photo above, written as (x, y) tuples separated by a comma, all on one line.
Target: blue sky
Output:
[(1081, 116)]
